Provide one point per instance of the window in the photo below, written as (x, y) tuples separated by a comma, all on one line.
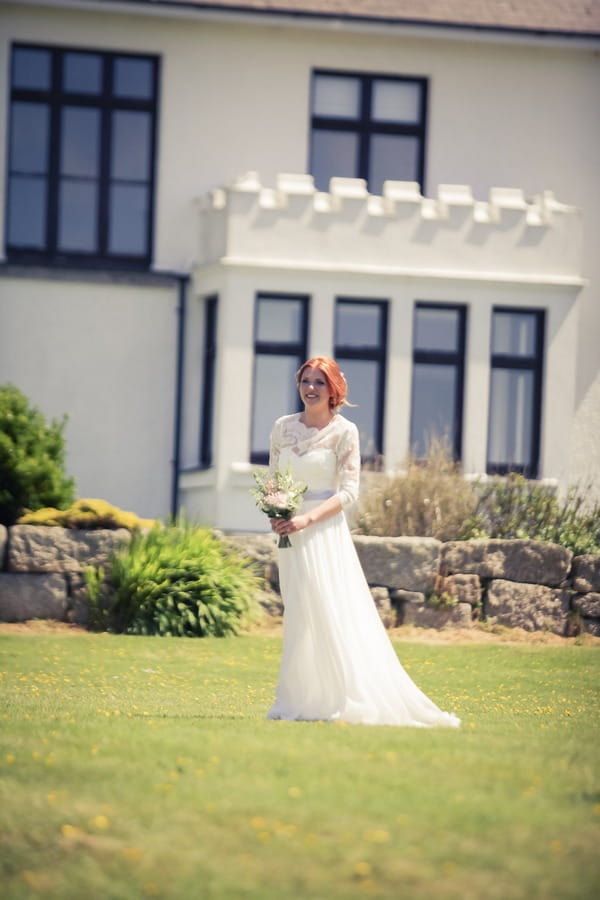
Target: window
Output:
[(367, 126), (279, 350), (438, 376), (360, 349), (515, 391), (81, 156), (208, 382)]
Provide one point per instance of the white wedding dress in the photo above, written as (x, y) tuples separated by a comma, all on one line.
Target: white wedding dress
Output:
[(337, 661)]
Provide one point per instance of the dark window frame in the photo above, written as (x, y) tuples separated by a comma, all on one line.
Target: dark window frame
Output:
[(208, 381), (454, 358), (296, 349), (57, 98), (377, 354), (532, 363), (364, 126)]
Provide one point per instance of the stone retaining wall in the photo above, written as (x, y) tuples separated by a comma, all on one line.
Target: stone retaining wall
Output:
[(418, 581), (41, 570), (421, 581)]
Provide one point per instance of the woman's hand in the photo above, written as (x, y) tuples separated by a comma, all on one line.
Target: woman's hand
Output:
[(289, 526)]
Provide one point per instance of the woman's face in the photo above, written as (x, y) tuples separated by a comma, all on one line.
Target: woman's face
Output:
[(314, 390)]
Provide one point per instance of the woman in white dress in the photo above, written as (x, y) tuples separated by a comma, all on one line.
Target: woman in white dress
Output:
[(338, 662)]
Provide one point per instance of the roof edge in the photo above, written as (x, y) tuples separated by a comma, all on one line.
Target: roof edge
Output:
[(188, 8)]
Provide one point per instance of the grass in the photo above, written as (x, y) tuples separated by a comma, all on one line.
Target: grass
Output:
[(138, 767)]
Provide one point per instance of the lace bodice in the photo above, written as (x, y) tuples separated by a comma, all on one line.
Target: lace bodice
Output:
[(327, 459)]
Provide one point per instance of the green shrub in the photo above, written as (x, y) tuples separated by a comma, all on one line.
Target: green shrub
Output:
[(429, 498), (513, 507), (86, 514), (32, 458), (183, 581)]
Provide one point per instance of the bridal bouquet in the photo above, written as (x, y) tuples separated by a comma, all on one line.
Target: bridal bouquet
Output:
[(279, 496)]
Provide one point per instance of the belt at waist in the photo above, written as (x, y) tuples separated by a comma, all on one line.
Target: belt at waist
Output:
[(318, 495)]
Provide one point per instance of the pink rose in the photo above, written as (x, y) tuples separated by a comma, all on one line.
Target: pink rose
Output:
[(278, 499)]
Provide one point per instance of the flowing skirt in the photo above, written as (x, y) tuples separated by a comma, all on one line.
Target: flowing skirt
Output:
[(338, 662)]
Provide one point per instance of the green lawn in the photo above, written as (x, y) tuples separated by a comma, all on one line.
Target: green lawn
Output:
[(134, 767)]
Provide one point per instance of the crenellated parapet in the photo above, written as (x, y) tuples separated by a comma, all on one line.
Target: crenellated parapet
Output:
[(506, 237)]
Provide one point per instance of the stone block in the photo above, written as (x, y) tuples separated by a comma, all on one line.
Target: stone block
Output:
[(464, 588), (406, 563), (585, 573), (531, 562), (587, 605), (79, 606), (24, 597), (262, 550), (399, 596), (3, 542), (401, 599), (591, 626), (532, 607), (387, 613), (35, 548), (424, 615)]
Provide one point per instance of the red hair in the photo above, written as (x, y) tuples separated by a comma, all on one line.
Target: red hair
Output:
[(336, 382)]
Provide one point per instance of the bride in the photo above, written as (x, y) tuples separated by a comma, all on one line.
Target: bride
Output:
[(337, 661)]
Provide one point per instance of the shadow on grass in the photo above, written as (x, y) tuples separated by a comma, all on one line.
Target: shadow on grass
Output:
[(189, 716)]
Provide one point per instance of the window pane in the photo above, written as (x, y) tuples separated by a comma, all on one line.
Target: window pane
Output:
[(334, 154), (77, 215), (436, 329), (32, 69), (511, 418), (130, 151), (27, 212), (29, 137), (279, 320), (128, 219), (82, 73), (433, 406), (336, 96), (361, 376), (514, 333), (275, 395), (396, 101), (80, 141), (393, 158), (133, 78), (357, 325)]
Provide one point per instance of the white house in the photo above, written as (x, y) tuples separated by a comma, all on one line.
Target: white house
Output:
[(198, 196)]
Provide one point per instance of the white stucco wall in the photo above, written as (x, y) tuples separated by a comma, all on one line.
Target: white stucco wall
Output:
[(104, 354), (503, 111)]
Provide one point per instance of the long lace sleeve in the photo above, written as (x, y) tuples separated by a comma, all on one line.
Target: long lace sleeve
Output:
[(275, 446), (348, 464)]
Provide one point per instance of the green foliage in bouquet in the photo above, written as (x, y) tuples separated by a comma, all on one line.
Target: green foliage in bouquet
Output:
[(32, 458), (87, 513), (181, 581)]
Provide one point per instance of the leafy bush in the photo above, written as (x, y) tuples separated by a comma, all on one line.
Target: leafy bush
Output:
[(86, 514), (181, 580), (513, 507), (429, 498), (32, 458)]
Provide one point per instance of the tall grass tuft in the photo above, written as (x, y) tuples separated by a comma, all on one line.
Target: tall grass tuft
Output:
[(181, 581), (431, 498), (428, 498)]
